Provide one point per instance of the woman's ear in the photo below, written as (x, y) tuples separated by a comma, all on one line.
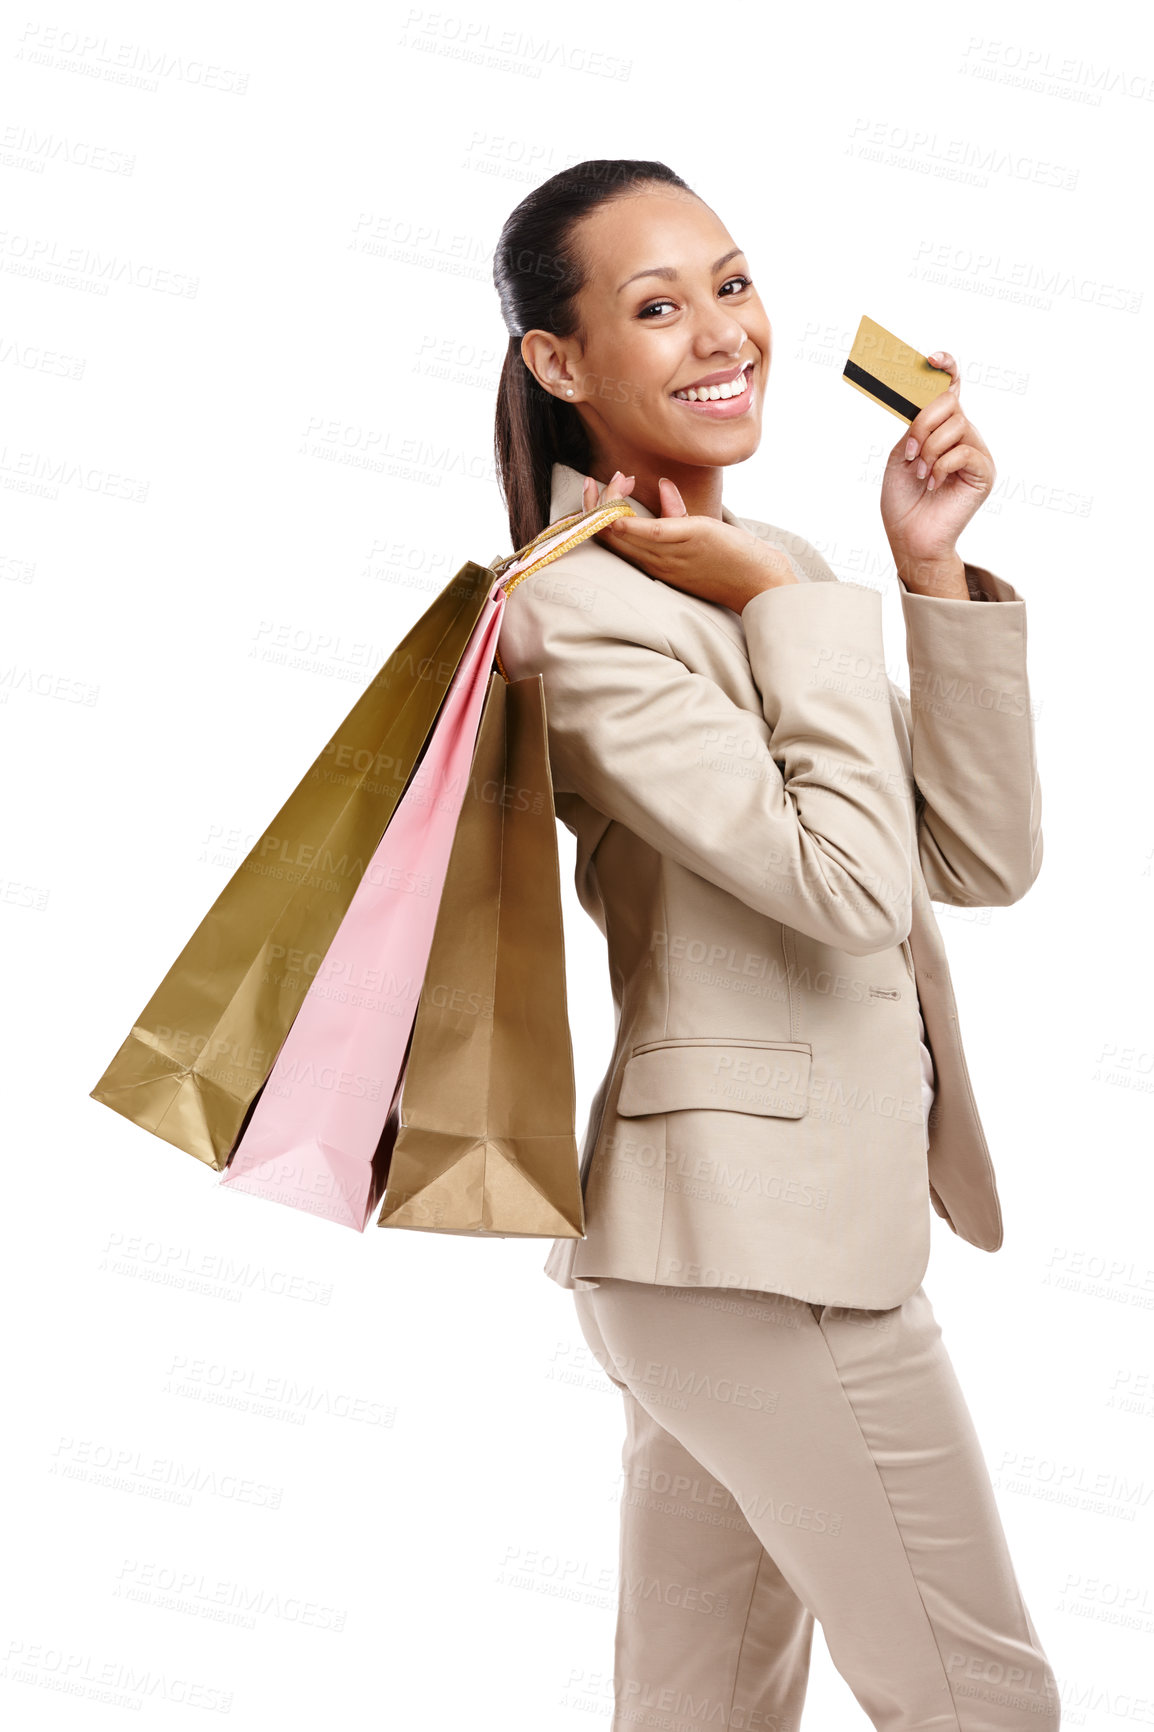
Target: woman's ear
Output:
[(549, 365)]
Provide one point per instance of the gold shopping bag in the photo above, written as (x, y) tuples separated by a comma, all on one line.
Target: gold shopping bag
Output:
[(481, 1138), (205, 1042)]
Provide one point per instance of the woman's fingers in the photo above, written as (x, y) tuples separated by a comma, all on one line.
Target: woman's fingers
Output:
[(945, 434), (945, 404), (672, 504), (941, 358), (617, 487), (969, 463)]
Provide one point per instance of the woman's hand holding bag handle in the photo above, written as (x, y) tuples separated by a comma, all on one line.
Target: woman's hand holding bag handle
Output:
[(704, 556)]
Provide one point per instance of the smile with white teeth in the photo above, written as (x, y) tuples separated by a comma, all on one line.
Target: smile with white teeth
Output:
[(716, 393)]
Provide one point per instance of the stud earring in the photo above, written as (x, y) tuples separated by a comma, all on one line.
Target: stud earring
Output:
[(568, 390)]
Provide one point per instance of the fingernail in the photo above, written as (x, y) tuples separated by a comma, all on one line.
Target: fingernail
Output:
[(936, 356), (616, 476), (911, 449)]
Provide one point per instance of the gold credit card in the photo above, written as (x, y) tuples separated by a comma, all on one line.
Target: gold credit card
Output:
[(899, 378)]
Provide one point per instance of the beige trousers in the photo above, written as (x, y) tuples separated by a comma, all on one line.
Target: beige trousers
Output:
[(786, 1462)]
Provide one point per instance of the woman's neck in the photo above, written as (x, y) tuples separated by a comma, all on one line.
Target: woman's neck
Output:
[(700, 488)]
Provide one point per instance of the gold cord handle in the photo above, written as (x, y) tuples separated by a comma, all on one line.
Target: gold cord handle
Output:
[(582, 524)]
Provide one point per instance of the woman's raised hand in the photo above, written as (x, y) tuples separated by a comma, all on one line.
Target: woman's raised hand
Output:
[(936, 476), (718, 561)]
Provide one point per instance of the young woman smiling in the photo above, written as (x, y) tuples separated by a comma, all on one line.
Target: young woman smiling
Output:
[(762, 822)]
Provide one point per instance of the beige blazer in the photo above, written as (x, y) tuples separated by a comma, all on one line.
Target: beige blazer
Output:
[(761, 822)]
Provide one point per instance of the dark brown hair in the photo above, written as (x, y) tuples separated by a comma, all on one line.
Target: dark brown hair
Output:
[(539, 271)]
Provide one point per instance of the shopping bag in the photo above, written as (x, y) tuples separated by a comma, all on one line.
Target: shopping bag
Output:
[(204, 1043), (202, 1048), (481, 1137), (313, 1131), (317, 1125)]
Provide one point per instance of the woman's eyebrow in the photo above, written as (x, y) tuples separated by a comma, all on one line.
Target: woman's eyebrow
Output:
[(669, 271)]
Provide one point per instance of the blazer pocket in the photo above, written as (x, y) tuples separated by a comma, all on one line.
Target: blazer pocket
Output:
[(739, 1076)]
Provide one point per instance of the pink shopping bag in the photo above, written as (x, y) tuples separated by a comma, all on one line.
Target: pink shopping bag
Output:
[(312, 1133)]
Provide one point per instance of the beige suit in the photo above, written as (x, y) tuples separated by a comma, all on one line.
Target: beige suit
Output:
[(787, 1463), (762, 820)]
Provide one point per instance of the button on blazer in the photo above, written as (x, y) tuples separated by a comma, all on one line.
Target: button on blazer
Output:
[(762, 818)]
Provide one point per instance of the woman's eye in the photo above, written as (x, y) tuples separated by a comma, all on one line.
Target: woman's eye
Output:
[(654, 306)]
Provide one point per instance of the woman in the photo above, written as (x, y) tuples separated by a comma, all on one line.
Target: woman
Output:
[(762, 820)]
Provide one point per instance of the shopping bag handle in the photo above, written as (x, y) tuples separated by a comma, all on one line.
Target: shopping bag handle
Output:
[(578, 526)]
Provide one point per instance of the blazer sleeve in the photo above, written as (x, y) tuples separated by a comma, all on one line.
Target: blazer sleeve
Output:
[(804, 812), (977, 796), (978, 799)]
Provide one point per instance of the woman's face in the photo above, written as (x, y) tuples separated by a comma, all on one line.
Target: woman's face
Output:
[(668, 301)]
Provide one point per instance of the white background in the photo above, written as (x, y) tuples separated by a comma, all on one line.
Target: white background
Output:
[(271, 250)]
